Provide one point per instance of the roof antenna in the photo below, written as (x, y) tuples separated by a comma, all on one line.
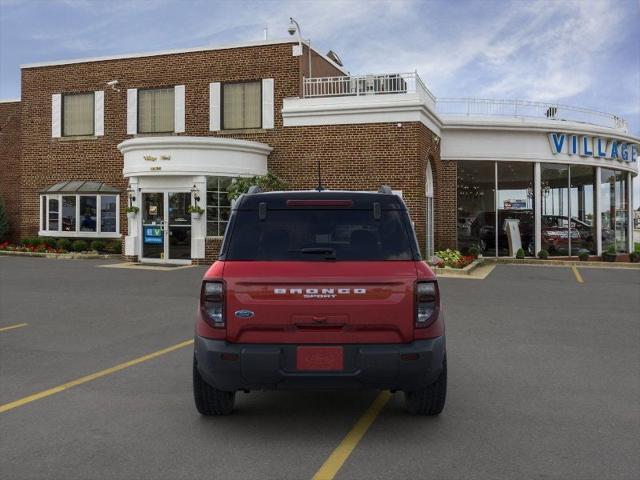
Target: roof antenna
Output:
[(319, 188)]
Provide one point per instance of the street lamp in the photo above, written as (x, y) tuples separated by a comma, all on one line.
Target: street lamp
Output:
[(294, 27)]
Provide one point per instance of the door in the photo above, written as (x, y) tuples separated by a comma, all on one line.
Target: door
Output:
[(166, 227), (179, 233)]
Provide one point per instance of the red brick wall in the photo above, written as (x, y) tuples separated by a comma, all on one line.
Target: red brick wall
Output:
[(10, 164), (444, 191), (360, 157), (50, 160)]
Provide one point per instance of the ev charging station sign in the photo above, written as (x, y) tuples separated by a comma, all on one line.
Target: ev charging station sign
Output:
[(590, 146)]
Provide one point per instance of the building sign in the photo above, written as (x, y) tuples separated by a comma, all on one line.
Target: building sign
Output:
[(589, 146), (152, 235)]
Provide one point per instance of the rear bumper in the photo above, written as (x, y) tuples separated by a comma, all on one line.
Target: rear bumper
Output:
[(273, 367)]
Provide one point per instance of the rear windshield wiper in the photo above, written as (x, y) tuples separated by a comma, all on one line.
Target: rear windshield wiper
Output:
[(329, 253)]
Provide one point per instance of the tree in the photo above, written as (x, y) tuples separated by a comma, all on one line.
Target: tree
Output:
[(268, 182), (4, 222)]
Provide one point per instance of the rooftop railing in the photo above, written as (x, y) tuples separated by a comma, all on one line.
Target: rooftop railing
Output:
[(357, 85), (528, 109), (402, 83)]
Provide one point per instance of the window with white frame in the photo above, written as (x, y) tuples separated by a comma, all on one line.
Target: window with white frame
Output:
[(156, 110), (79, 215), (218, 205), (241, 105), (78, 114)]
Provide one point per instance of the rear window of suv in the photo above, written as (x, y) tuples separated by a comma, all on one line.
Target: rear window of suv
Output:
[(320, 234)]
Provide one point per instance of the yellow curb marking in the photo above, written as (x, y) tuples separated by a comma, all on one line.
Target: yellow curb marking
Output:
[(11, 327), (102, 373), (330, 467), (577, 274)]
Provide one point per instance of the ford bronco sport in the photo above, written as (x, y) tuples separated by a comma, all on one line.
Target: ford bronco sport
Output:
[(319, 290)]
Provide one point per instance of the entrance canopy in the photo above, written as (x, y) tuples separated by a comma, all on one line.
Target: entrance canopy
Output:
[(209, 156)]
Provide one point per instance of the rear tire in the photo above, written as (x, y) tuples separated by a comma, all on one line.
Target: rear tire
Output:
[(209, 400), (429, 401)]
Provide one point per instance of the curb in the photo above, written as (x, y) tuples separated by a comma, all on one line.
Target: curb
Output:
[(63, 256), (459, 271), (564, 263)]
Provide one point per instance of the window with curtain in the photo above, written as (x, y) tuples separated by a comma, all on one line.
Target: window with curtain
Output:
[(77, 114), (156, 110), (241, 105)]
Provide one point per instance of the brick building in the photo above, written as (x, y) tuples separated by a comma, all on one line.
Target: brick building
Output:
[(164, 131)]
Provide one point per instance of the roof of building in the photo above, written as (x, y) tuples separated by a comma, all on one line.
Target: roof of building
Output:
[(173, 52), (81, 186)]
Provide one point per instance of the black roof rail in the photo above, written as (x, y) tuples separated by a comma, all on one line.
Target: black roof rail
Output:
[(386, 189), (254, 189)]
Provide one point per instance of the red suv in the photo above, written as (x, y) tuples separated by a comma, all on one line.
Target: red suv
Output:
[(319, 290)]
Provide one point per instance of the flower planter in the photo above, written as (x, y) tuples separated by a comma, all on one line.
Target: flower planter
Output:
[(195, 216), (131, 216), (609, 257)]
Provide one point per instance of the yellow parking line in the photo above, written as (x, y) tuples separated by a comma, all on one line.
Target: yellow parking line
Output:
[(11, 327), (46, 393), (335, 461), (577, 274)]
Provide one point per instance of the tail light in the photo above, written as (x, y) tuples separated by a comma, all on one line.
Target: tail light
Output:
[(427, 303), (212, 303)]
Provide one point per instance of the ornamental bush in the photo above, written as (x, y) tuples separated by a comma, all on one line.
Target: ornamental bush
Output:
[(79, 246), (583, 255), (267, 183), (47, 242), (64, 244), (520, 253), (97, 245), (474, 252), (543, 254), (115, 247)]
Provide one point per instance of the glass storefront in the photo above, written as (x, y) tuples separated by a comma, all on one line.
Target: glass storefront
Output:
[(516, 220), (497, 201), (478, 224), (477, 207), (614, 209), (582, 205), (554, 222)]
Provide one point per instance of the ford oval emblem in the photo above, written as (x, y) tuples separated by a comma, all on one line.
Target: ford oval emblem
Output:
[(244, 313)]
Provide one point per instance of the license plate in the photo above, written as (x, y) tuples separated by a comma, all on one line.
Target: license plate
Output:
[(320, 358)]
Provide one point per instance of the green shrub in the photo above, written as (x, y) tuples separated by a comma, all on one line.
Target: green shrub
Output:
[(79, 246), (115, 247), (543, 254), (47, 242), (520, 253), (97, 245), (583, 255), (474, 252), (64, 244), (634, 257), (267, 183), (611, 250), (28, 241)]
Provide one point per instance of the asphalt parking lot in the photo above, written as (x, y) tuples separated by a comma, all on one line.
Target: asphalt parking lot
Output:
[(544, 382)]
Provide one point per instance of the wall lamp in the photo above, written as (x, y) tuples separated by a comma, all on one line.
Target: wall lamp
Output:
[(132, 197), (195, 194)]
